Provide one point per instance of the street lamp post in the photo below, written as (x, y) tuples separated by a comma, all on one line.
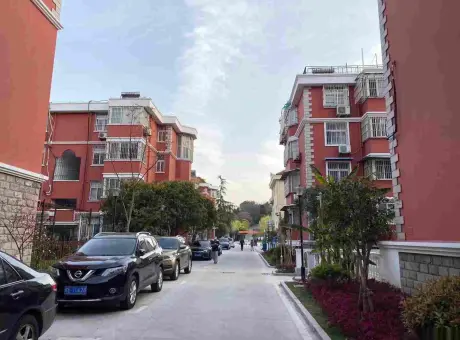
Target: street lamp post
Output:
[(299, 201)]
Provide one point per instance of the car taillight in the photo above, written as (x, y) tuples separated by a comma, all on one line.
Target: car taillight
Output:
[(54, 287)]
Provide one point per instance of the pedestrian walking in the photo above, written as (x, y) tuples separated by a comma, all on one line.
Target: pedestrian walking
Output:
[(252, 244), (215, 250), (242, 244)]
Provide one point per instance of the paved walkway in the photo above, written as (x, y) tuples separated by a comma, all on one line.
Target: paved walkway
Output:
[(235, 299)]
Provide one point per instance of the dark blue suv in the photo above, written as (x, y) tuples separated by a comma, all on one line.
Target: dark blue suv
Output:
[(111, 267)]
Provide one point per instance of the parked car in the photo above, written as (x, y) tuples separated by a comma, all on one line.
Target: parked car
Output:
[(176, 256), (111, 267), (232, 242), (201, 249), (224, 243), (27, 300)]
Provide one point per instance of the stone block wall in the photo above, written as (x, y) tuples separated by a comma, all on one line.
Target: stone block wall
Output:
[(415, 269), (18, 197)]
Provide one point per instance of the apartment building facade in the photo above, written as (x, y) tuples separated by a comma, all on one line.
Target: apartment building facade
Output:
[(420, 50), (335, 120), (90, 148), (28, 41), (278, 199)]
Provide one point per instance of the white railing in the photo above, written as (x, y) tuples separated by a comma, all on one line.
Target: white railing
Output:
[(346, 69)]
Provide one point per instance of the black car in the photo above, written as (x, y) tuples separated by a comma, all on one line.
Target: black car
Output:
[(27, 300), (225, 243), (201, 249), (176, 256), (111, 267)]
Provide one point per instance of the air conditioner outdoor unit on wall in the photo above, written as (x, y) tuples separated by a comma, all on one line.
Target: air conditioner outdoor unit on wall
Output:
[(102, 135), (344, 148), (343, 110)]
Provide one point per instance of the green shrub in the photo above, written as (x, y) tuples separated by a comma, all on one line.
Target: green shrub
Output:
[(435, 304), (328, 272)]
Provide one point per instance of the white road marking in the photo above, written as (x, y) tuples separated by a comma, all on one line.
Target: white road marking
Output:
[(301, 326), (138, 310), (183, 282)]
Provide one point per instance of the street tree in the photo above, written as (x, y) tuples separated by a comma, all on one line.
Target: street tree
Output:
[(225, 210)]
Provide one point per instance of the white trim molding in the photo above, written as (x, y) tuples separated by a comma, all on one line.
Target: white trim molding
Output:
[(308, 133), (74, 142), (426, 248), (126, 139), (324, 120), (22, 173), (121, 175), (377, 155), (48, 13)]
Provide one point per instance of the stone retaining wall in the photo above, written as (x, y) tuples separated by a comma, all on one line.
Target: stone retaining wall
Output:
[(17, 196), (418, 268)]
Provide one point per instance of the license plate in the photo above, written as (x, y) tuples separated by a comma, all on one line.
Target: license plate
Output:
[(197, 254), (75, 290)]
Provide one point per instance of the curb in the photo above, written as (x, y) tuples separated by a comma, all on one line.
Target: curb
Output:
[(309, 319), (265, 261), (282, 274)]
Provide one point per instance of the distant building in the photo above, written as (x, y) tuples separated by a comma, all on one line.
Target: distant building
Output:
[(90, 147), (335, 120), (278, 199), (28, 41)]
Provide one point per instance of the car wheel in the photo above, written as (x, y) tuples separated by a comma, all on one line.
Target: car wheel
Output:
[(131, 295), (157, 286), (188, 270), (26, 329), (176, 271)]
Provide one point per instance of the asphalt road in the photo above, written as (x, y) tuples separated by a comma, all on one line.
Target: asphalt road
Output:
[(234, 299)]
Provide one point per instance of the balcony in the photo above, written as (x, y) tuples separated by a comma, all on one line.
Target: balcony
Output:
[(369, 85)]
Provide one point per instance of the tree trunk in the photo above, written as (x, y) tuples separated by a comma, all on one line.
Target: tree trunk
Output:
[(130, 212)]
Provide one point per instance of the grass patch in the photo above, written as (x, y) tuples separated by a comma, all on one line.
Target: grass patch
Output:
[(315, 310), (270, 258)]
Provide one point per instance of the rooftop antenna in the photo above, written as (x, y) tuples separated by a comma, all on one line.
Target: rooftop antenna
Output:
[(362, 56), (376, 60)]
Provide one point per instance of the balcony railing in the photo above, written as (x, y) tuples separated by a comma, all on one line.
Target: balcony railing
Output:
[(346, 69)]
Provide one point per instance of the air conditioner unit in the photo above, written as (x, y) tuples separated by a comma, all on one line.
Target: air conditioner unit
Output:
[(344, 148), (147, 131), (102, 135), (343, 110)]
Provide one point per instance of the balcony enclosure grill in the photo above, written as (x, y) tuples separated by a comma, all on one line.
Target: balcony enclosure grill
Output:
[(369, 85)]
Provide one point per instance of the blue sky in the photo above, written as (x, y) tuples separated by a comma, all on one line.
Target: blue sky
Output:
[(224, 67)]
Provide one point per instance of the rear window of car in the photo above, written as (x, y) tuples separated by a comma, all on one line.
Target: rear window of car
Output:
[(25, 271), (201, 244), (108, 247)]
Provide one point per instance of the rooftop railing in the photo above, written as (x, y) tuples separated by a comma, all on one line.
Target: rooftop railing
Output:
[(346, 69)]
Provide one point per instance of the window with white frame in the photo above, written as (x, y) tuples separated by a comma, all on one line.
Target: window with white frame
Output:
[(291, 117), (185, 147), (101, 123), (160, 165), (373, 127), (125, 150), (336, 133), (335, 95), (127, 115), (162, 134), (291, 182), (291, 151), (111, 186), (369, 86), (389, 204), (116, 115), (95, 191), (338, 170), (378, 169), (98, 154)]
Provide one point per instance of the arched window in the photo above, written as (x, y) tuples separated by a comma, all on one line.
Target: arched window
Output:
[(67, 167)]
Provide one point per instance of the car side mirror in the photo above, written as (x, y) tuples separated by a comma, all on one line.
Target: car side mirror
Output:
[(182, 246)]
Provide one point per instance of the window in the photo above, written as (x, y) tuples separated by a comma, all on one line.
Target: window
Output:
[(291, 182), (336, 133), (338, 170), (378, 169), (373, 127), (111, 186), (162, 135), (11, 275), (292, 117), (125, 150), (291, 151), (101, 123), (369, 86), (95, 191), (65, 203), (160, 166), (375, 87), (98, 154), (390, 205), (185, 147), (2, 274), (334, 95), (116, 116), (67, 167)]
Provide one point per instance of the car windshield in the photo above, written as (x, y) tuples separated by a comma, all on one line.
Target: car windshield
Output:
[(201, 244), (108, 247), (223, 240), (168, 243)]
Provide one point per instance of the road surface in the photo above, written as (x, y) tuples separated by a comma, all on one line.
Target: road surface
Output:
[(234, 299)]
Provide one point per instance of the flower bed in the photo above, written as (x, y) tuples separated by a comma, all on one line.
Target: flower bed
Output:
[(340, 302)]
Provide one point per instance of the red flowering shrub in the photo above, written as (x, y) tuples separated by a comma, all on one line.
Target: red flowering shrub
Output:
[(340, 303)]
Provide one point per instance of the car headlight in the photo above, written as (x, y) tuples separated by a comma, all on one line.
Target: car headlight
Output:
[(54, 271), (115, 271)]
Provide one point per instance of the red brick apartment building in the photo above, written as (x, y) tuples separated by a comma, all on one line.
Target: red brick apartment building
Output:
[(27, 46), (334, 120), (421, 49), (91, 147)]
